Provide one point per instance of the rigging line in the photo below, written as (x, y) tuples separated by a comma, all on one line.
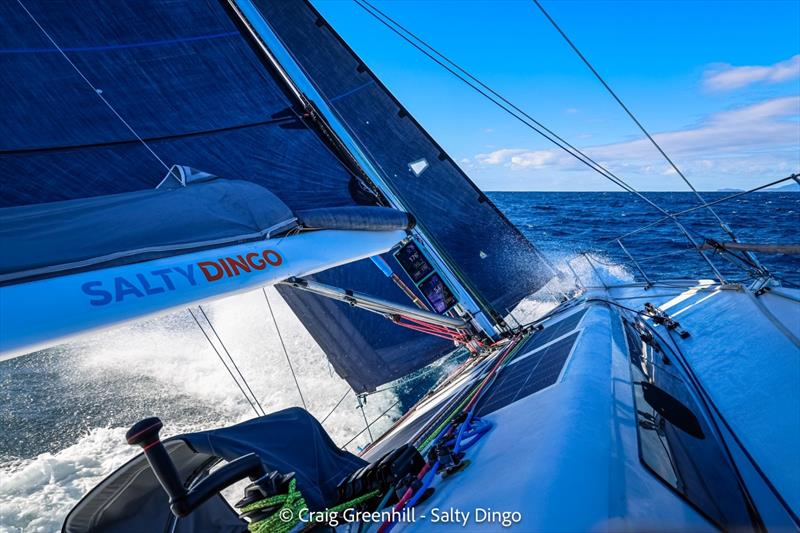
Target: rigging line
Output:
[(348, 391), (364, 414), (421, 374), (370, 424), (536, 126), (579, 156), (718, 201), (219, 355), (225, 349), (285, 352), (598, 166), (97, 91), (632, 116)]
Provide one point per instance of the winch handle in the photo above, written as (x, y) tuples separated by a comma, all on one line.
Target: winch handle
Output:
[(182, 502), (145, 434)]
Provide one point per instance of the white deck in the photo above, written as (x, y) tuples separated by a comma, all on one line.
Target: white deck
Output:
[(742, 354), (567, 456)]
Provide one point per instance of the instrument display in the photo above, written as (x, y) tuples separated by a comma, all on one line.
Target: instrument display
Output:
[(413, 262)]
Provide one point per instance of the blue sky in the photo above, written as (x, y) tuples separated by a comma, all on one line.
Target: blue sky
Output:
[(718, 82)]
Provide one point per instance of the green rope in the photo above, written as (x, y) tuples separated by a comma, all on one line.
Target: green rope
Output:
[(473, 392), (293, 500), (276, 522), (353, 502)]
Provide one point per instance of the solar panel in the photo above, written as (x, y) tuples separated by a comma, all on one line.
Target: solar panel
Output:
[(400, 436), (529, 375), (550, 332)]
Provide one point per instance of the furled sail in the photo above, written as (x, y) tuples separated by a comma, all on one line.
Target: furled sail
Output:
[(102, 98), (77, 265)]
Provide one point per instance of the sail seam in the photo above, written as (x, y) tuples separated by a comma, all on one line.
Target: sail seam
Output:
[(47, 149), (119, 46), (97, 91)]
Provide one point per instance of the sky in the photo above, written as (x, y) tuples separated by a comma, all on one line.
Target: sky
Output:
[(717, 83)]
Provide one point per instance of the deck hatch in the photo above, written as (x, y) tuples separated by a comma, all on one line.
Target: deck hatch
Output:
[(529, 375)]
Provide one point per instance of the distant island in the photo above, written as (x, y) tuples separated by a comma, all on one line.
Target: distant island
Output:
[(788, 187)]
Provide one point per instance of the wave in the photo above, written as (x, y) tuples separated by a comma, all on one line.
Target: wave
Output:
[(165, 367), (98, 386)]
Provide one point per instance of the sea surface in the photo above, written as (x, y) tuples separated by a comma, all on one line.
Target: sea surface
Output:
[(64, 411), (563, 224)]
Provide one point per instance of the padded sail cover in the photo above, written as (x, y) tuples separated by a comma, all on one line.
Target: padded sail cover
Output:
[(102, 231), (489, 254), (131, 499), (190, 85), (290, 440)]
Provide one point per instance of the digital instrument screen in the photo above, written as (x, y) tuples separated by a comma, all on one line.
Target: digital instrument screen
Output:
[(413, 262), (437, 293)]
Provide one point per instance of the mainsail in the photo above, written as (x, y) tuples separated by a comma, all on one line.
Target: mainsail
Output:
[(103, 98)]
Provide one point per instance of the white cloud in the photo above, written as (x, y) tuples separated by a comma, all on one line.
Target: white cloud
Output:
[(498, 156), (535, 158), (759, 140), (728, 77), (570, 111)]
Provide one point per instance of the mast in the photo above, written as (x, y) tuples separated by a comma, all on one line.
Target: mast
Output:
[(324, 118)]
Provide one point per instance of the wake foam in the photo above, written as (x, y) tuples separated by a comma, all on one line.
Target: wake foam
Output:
[(38, 493), (165, 367), (574, 274)]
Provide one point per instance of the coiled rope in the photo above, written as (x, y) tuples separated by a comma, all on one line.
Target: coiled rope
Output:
[(277, 522), (282, 521)]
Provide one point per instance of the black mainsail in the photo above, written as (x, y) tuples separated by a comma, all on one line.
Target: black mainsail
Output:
[(489, 254), (103, 97)]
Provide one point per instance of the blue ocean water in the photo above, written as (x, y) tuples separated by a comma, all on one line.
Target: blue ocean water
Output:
[(562, 224), (64, 410)]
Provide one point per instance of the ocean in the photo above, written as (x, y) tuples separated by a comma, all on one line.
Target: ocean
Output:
[(64, 411)]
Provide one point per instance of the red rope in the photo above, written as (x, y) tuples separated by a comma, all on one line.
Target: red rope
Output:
[(435, 333), (435, 327)]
